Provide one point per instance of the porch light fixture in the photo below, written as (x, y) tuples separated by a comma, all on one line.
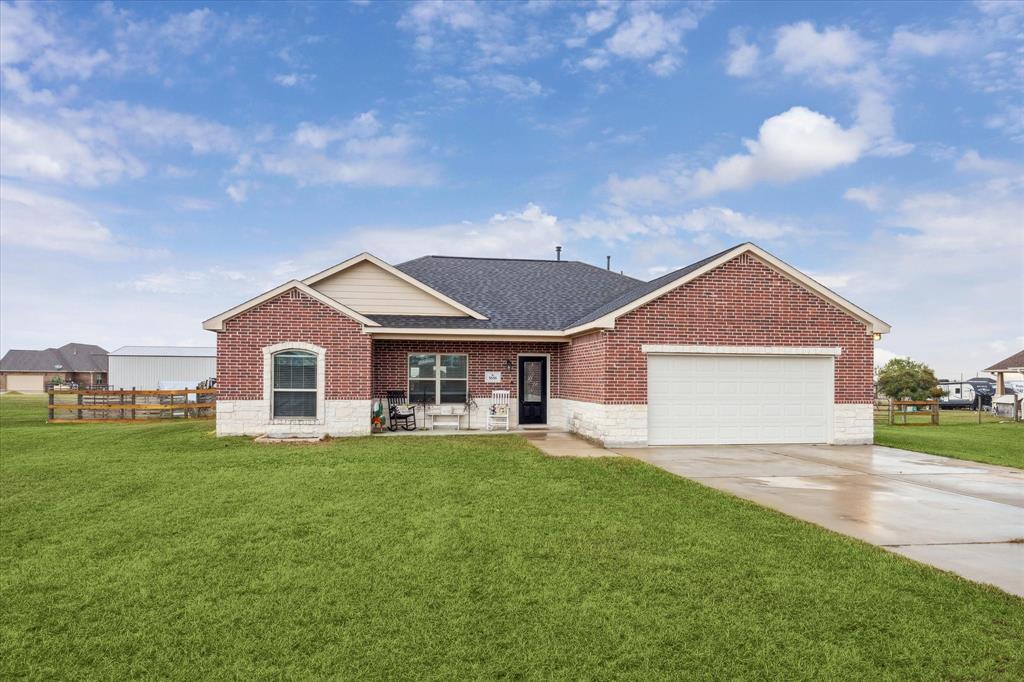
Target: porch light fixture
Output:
[(508, 365)]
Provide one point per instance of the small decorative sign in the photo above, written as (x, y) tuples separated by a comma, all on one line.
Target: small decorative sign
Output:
[(492, 377)]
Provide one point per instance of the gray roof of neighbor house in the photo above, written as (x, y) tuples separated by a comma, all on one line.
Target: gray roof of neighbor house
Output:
[(513, 293), (1015, 361), (71, 357)]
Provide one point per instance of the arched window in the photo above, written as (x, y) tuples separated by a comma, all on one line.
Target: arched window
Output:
[(295, 384)]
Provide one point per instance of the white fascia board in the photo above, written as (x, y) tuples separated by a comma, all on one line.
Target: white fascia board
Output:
[(670, 349), (390, 269), (484, 334), (874, 324), (216, 323)]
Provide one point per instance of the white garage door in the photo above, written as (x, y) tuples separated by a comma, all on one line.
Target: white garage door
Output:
[(24, 382), (722, 399)]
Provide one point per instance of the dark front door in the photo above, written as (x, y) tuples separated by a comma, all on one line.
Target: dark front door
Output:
[(533, 389)]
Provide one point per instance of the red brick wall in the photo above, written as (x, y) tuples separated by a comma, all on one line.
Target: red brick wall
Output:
[(742, 303), (583, 368), (292, 316), (390, 365)]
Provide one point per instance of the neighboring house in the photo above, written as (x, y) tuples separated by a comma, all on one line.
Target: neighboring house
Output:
[(1009, 370), (737, 348), (153, 367), (31, 371)]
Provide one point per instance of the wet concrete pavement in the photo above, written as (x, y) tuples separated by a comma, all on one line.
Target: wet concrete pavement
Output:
[(959, 516)]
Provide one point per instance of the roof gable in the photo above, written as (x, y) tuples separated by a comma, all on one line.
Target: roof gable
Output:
[(605, 316), (216, 323), (369, 285)]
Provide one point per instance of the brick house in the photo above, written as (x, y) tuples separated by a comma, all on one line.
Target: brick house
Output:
[(737, 348), (32, 371)]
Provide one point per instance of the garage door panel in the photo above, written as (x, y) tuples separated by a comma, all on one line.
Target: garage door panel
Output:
[(25, 382), (738, 399)]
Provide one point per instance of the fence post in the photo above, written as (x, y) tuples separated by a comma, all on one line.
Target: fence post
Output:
[(133, 402), (79, 409), (50, 400)]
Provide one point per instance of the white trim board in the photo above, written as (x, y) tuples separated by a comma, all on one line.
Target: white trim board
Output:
[(216, 323), (391, 270), (662, 349)]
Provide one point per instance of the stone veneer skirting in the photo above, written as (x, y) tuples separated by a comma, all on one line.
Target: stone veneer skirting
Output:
[(620, 425), (853, 424), (611, 425), (252, 418)]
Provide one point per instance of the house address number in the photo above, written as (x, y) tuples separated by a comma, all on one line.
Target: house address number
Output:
[(492, 377)]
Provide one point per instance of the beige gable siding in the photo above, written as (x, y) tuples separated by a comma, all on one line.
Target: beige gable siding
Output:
[(370, 290)]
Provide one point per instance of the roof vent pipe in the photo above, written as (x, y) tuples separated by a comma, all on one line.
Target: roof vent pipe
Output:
[(608, 263), (558, 253)]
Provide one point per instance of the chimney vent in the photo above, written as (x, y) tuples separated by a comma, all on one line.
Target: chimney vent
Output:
[(558, 253), (608, 263)]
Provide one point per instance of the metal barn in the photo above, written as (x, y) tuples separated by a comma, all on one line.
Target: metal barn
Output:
[(153, 367)]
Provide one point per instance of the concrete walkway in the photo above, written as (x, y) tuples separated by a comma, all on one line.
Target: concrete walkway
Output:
[(959, 516), (563, 444)]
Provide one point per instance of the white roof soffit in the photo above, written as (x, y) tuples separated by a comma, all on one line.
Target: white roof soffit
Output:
[(216, 323), (874, 324), (363, 257)]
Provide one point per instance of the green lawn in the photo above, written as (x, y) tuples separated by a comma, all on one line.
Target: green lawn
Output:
[(960, 435), (159, 551)]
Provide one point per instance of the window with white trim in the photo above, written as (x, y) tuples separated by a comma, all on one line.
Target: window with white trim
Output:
[(438, 378), (295, 384)]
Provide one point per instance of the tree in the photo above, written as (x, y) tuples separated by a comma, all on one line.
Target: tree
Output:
[(905, 379)]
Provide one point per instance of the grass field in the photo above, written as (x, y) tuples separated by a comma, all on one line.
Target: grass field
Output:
[(159, 551), (960, 435)]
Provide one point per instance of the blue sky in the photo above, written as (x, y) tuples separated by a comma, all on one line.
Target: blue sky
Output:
[(162, 162)]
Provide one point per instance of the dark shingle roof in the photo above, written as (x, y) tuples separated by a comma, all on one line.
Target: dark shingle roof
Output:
[(71, 357), (1015, 360), (645, 288), (525, 294), (512, 293)]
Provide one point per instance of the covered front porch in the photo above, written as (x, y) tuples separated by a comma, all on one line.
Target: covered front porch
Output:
[(454, 386)]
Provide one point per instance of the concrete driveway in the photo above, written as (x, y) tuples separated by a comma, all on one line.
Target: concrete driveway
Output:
[(959, 516)]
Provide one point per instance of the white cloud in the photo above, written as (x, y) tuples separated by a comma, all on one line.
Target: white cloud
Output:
[(870, 197), (39, 150), (319, 136), (175, 281), (973, 162), (238, 191), (516, 87), (803, 49), (644, 36), (794, 144), (47, 223), (100, 145), (928, 44), (743, 57), (359, 152), (290, 80), (840, 59), (617, 225)]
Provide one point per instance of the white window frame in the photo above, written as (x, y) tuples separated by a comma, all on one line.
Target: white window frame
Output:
[(438, 378), (268, 380)]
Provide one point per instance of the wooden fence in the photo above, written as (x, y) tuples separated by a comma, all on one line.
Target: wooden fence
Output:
[(913, 408), (125, 406)]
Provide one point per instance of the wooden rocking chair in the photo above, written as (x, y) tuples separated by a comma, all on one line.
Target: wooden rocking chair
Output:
[(399, 411)]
